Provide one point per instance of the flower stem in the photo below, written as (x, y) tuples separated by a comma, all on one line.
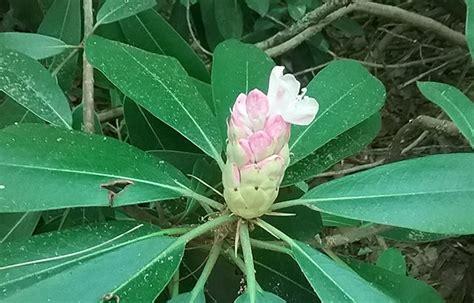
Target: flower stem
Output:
[(211, 261), (269, 246), (248, 259)]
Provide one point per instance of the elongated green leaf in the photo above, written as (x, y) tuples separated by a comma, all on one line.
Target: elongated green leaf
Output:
[(213, 36), (121, 258), (458, 107), (184, 161), (347, 94), (71, 169), (333, 282), (281, 274), (237, 68), (229, 18), (260, 6), (470, 26), (12, 112), (392, 259), (262, 297), (17, 226), (160, 85), (27, 82), (114, 10), (432, 194), (149, 133), (34, 45), (344, 145), (151, 32), (63, 21), (400, 287)]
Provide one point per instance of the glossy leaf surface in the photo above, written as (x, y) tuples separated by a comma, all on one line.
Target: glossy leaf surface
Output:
[(400, 287), (333, 282), (344, 145), (52, 162), (347, 94), (27, 82), (114, 10), (63, 21), (159, 84), (458, 107), (119, 257), (150, 31), (432, 194), (33, 45), (237, 68)]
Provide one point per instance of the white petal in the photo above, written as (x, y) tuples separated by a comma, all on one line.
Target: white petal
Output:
[(301, 112), (282, 91)]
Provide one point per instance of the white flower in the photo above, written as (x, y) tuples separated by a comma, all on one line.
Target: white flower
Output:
[(285, 100)]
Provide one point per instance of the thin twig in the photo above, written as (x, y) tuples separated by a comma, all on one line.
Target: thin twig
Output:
[(88, 73), (384, 66), (306, 21), (110, 114), (354, 235), (307, 33), (417, 20), (420, 122)]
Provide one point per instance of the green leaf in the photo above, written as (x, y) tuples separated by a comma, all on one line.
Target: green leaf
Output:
[(149, 133), (393, 260), (432, 194), (296, 8), (229, 18), (346, 144), (72, 169), (12, 112), (151, 32), (78, 120), (347, 94), (33, 45), (401, 287), (161, 86), (121, 257), (27, 82), (458, 107), (331, 281), (189, 297), (29, 12), (237, 68), (280, 274), (115, 10), (18, 226), (63, 21), (213, 36), (262, 297), (184, 161), (260, 6), (470, 26)]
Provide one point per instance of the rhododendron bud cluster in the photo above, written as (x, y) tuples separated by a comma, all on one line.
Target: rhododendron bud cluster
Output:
[(257, 148)]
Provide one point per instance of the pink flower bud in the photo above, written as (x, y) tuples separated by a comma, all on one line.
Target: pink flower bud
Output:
[(257, 148)]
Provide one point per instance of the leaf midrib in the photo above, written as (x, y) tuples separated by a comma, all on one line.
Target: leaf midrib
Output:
[(42, 97), (214, 152), (92, 173), (309, 200)]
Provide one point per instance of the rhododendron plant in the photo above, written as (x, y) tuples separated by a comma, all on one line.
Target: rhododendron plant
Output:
[(257, 148)]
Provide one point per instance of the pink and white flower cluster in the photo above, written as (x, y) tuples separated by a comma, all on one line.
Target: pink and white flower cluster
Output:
[(257, 148)]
